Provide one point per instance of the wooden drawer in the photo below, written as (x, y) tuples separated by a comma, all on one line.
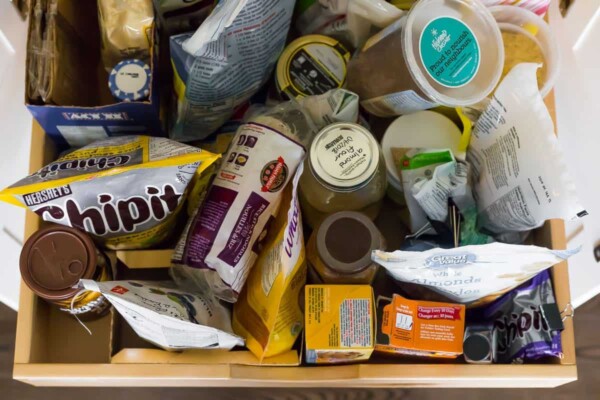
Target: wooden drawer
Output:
[(53, 350)]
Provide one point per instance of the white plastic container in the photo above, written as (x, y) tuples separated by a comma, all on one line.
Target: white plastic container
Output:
[(525, 22), (442, 52)]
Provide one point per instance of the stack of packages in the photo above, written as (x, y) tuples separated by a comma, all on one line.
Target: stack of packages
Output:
[(309, 126)]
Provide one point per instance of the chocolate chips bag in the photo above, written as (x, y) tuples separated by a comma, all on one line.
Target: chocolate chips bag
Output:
[(124, 191), (524, 329)]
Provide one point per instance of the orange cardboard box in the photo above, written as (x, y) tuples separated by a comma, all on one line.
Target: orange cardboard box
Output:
[(420, 328)]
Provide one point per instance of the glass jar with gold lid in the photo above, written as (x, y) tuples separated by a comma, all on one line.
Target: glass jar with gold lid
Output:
[(344, 171)]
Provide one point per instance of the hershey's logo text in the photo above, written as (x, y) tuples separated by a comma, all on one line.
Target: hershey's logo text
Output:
[(35, 198)]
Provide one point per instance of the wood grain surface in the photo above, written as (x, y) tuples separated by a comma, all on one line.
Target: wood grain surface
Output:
[(587, 321)]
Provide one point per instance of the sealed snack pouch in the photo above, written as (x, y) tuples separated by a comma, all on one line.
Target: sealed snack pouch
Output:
[(124, 191), (268, 313), (472, 275), (520, 175), (526, 321), (169, 318), (126, 28), (225, 62), (220, 244)]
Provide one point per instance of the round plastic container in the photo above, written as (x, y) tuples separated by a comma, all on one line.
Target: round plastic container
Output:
[(442, 52), (434, 32), (527, 23)]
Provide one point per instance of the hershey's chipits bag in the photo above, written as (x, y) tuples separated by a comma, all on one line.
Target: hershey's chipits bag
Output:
[(267, 313), (170, 318), (472, 275), (220, 244), (124, 191), (521, 178), (523, 329), (225, 62)]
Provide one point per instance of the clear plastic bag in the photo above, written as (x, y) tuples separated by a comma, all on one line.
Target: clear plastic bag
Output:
[(126, 30)]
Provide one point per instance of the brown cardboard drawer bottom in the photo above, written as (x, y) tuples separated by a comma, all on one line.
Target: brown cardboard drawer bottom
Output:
[(53, 350)]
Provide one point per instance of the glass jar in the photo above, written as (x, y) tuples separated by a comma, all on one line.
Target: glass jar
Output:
[(52, 262), (339, 251), (344, 171)]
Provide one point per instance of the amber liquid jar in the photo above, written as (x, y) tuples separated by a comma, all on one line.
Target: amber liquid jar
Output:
[(339, 251)]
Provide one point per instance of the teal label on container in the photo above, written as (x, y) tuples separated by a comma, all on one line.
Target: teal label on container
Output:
[(449, 52)]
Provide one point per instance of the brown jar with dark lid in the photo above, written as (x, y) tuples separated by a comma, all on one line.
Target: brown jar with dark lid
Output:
[(339, 250), (52, 262)]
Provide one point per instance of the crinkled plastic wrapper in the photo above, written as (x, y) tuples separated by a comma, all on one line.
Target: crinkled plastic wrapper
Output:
[(222, 241), (168, 317), (268, 313), (520, 175), (124, 191), (226, 61), (521, 329), (472, 275)]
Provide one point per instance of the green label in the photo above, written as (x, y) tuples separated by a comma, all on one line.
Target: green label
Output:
[(421, 160), (449, 52)]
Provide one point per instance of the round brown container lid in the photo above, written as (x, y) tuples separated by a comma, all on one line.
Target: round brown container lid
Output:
[(54, 259), (476, 347), (345, 241)]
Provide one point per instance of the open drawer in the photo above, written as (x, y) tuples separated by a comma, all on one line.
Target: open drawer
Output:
[(53, 350)]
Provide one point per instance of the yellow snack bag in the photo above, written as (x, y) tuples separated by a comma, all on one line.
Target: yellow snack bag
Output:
[(267, 313), (125, 191)]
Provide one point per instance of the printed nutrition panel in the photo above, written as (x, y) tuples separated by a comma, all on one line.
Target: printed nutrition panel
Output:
[(355, 323)]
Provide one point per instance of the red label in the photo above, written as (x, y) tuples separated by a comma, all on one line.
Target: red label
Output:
[(272, 175), (449, 313), (225, 175), (119, 290)]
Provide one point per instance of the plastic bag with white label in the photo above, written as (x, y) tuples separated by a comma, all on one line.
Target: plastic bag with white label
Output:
[(222, 241), (268, 314), (473, 275), (521, 177), (170, 318)]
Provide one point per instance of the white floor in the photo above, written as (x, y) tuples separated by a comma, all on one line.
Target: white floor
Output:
[(578, 122), (578, 114), (15, 122)]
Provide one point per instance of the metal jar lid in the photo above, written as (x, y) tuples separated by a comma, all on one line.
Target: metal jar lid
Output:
[(54, 259), (311, 65), (477, 348), (344, 155), (345, 241)]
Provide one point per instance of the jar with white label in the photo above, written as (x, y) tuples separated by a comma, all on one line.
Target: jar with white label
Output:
[(442, 52), (344, 171)]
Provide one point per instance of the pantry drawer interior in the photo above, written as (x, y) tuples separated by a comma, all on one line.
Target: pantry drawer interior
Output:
[(52, 349)]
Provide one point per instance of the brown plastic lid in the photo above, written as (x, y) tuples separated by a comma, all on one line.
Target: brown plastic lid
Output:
[(54, 259), (345, 241)]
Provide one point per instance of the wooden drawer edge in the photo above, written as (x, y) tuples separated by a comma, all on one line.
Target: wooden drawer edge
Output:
[(355, 376)]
